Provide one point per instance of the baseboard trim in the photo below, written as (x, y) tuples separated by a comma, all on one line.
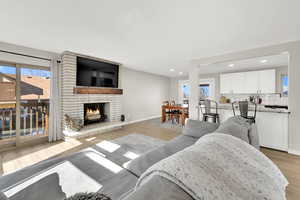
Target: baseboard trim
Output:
[(294, 152), (143, 119)]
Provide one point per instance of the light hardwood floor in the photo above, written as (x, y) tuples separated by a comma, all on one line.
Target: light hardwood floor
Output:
[(19, 158)]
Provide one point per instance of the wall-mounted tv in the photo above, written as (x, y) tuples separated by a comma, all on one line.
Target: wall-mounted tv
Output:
[(95, 73)]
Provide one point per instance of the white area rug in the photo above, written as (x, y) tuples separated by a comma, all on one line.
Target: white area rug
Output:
[(127, 148)]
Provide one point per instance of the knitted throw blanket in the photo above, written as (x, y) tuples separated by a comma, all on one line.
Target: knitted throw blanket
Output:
[(221, 167)]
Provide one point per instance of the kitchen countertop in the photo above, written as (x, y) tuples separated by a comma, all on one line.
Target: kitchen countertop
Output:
[(260, 108)]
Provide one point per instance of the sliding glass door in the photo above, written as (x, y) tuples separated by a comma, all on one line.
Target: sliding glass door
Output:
[(34, 101), (24, 103), (7, 103)]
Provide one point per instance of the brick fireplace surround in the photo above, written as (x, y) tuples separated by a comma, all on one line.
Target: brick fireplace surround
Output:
[(73, 102)]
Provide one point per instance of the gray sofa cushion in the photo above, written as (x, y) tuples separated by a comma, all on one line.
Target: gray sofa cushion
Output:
[(158, 188), (41, 189), (196, 128), (236, 126), (142, 163), (253, 136), (2, 196)]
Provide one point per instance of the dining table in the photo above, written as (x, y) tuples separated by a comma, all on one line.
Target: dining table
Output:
[(182, 108)]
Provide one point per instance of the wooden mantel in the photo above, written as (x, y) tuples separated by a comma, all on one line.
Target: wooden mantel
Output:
[(92, 90)]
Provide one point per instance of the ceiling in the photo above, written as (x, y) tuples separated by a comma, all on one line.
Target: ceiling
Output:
[(274, 61), (149, 35)]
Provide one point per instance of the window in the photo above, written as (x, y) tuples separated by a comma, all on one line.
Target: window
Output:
[(206, 89), (186, 90), (284, 85)]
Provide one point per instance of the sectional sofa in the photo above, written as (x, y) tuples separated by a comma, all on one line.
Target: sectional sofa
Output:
[(53, 178)]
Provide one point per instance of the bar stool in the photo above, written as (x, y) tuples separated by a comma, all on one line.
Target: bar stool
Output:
[(206, 110), (243, 107)]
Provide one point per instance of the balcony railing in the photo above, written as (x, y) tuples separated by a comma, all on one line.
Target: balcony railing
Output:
[(34, 118)]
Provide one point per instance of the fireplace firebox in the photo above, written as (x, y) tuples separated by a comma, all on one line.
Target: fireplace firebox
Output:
[(94, 113)]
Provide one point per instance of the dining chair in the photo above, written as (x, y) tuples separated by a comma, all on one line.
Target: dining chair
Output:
[(174, 113), (167, 111), (209, 110)]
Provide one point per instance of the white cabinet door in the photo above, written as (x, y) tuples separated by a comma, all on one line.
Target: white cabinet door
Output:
[(273, 130), (225, 84), (248, 82), (232, 83), (237, 82), (251, 82), (267, 82)]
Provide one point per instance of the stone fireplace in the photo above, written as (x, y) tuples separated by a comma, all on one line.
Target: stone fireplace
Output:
[(95, 113)]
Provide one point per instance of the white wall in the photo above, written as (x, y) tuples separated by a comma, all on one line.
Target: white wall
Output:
[(143, 94), (174, 85)]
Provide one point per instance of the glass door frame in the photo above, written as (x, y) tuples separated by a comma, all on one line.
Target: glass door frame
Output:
[(18, 141)]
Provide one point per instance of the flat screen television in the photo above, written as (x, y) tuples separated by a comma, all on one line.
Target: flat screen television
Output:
[(95, 73)]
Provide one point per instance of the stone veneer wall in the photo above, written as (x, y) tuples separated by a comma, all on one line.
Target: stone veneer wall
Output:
[(72, 104)]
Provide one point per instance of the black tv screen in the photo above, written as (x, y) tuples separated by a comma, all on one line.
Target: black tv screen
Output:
[(96, 73)]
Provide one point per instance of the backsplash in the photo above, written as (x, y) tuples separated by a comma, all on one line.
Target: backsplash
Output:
[(267, 99)]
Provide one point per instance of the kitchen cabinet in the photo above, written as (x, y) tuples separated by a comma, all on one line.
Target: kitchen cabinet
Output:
[(273, 130), (248, 82), (251, 83), (267, 81), (225, 84), (237, 82)]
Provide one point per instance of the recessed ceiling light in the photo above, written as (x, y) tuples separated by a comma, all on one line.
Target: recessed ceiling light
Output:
[(231, 65), (180, 73), (263, 61), (172, 70)]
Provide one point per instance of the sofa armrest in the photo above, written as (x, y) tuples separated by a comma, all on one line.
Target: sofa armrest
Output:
[(196, 128)]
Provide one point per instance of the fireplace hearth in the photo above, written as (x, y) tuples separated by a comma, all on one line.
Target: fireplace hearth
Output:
[(94, 113)]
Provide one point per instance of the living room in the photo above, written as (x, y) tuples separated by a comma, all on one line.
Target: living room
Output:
[(107, 100)]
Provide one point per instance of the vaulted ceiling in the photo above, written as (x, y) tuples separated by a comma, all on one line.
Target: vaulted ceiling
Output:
[(149, 35)]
